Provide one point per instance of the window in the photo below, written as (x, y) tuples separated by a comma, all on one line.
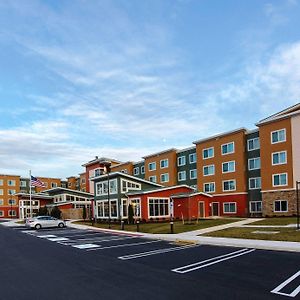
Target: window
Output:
[(279, 158), (229, 185), (280, 179), (209, 187), (12, 213), (69, 184), (1, 192), (11, 183), (227, 148), (152, 166), (254, 163), (1, 182), (136, 171), (181, 161), (158, 207), (1, 213), (253, 144), (103, 210), (209, 170), (254, 183), (152, 178), (278, 136), (228, 167), (124, 209), (229, 207), (182, 176), (11, 202), (125, 171), (193, 174), (23, 183), (255, 206), (164, 163), (164, 177), (280, 206), (192, 158), (98, 172), (127, 186), (53, 184), (142, 169), (136, 205), (1, 201), (102, 187), (11, 192), (83, 180), (208, 153)]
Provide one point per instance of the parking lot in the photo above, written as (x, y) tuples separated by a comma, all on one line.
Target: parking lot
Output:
[(263, 274)]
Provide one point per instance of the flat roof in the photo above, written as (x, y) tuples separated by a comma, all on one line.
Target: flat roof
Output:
[(284, 114), (159, 153), (220, 135), (67, 190), (114, 174), (100, 160), (148, 191)]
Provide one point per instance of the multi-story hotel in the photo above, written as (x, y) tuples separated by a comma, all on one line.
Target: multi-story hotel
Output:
[(240, 173), (248, 172)]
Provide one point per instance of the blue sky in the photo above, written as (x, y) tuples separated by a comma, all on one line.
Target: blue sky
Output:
[(127, 78)]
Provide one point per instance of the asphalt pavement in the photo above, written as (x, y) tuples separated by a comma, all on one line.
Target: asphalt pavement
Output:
[(74, 263)]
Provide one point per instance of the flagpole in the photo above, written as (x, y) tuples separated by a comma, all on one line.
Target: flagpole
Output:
[(30, 194)]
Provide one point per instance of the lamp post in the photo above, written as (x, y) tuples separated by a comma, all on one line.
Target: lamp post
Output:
[(107, 165), (298, 208)]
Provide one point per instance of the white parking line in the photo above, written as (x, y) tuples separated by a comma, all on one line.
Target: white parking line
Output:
[(86, 246), (58, 239), (91, 234), (211, 261), (294, 293), (106, 239), (124, 245), (153, 252), (46, 236)]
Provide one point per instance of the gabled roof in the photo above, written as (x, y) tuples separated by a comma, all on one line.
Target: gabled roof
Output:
[(115, 174), (221, 135), (148, 191), (284, 114)]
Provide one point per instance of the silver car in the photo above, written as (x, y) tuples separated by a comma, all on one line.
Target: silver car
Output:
[(44, 222)]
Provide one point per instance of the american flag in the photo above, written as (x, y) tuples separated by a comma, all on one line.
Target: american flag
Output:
[(36, 182)]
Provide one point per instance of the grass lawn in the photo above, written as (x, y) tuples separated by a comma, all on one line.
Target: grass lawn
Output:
[(277, 221), (165, 227), (285, 234)]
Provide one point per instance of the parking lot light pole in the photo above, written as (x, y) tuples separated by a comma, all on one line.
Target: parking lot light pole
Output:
[(298, 208)]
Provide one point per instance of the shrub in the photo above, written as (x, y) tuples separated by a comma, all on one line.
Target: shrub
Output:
[(56, 212)]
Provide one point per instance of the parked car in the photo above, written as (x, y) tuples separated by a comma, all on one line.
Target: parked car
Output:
[(44, 222)]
